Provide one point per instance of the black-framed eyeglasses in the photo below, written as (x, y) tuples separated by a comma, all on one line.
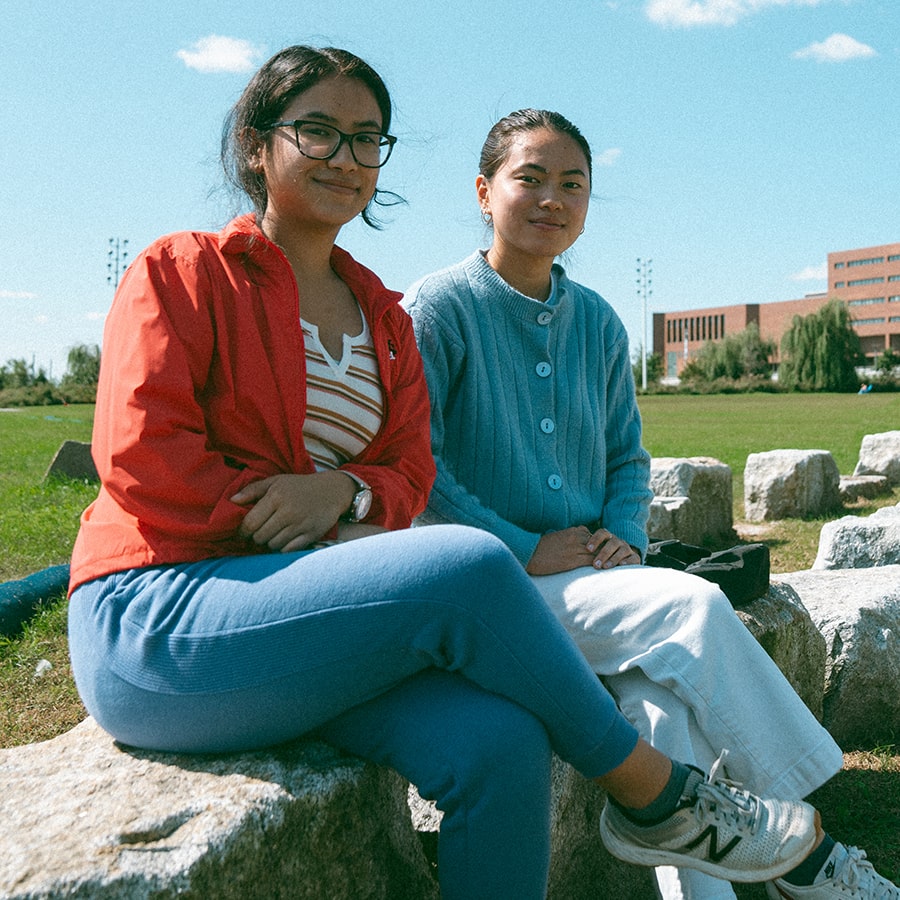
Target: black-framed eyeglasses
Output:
[(370, 149)]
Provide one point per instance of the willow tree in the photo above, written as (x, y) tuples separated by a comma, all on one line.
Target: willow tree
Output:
[(820, 351)]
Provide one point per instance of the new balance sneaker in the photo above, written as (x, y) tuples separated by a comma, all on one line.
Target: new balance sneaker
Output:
[(846, 874), (721, 830)]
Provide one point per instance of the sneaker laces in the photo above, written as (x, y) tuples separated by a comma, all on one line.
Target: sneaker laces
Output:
[(858, 873), (724, 801)]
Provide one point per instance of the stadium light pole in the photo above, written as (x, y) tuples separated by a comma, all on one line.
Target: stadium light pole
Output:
[(645, 291), (115, 260)]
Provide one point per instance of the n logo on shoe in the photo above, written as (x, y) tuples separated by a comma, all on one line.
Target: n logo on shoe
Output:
[(714, 853)]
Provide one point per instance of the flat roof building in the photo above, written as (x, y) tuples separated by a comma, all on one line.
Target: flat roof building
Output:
[(867, 280)]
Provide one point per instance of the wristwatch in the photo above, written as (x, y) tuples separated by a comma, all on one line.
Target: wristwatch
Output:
[(362, 500)]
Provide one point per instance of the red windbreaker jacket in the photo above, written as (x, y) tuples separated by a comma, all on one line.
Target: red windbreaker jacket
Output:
[(203, 390)]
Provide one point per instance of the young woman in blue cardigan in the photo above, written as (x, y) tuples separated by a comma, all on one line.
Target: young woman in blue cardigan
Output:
[(537, 438)]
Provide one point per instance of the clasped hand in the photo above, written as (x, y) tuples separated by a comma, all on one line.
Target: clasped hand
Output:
[(290, 512), (571, 548)]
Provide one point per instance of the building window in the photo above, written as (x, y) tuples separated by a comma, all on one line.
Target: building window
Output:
[(894, 299), (860, 281), (894, 258), (838, 284), (893, 277), (872, 260), (868, 301), (878, 321), (839, 265)]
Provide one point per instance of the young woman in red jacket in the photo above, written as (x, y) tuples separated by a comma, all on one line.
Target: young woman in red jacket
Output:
[(247, 575)]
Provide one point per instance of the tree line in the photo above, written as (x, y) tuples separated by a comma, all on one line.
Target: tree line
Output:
[(24, 384), (819, 352)]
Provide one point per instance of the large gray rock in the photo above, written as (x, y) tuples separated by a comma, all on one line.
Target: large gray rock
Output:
[(782, 484), (858, 487), (879, 454), (73, 460), (708, 514), (857, 542), (83, 818), (858, 613)]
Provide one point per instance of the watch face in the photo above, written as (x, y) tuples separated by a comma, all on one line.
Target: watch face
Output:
[(362, 503)]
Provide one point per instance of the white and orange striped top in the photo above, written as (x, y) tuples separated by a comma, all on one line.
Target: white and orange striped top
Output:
[(344, 398)]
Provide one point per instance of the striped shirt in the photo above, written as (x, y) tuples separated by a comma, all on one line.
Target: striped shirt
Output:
[(345, 401)]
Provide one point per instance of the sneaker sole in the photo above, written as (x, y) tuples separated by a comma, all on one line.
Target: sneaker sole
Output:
[(627, 851)]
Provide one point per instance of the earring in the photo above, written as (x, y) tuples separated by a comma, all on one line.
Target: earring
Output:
[(486, 217)]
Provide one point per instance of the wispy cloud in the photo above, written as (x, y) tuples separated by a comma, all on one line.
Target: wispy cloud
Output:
[(216, 53), (608, 157), (836, 49), (811, 273), (688, 13), (17, 295)]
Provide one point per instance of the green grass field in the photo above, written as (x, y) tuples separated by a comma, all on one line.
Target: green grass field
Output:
[(38, 523)]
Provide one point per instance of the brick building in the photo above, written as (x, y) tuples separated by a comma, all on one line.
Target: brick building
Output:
[(867, 280)]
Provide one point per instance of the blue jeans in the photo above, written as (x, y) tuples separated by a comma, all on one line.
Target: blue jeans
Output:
[(426, 650)]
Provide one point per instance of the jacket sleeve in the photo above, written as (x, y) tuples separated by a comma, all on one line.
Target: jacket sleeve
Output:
[(150, 441), (451, 502), (398, 465)]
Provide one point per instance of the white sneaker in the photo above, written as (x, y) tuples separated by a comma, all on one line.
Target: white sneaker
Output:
[(721, 830), (846, 874)]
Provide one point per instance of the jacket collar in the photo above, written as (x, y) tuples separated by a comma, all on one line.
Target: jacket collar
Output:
[(243, 235)]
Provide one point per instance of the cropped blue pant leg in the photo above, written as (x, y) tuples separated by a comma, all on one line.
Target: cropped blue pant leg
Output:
[(426, 650)]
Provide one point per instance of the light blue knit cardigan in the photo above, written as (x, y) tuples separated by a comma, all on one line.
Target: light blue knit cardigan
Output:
[(534, 421)]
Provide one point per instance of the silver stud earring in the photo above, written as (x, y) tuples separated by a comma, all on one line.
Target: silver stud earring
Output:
[(486, 217)]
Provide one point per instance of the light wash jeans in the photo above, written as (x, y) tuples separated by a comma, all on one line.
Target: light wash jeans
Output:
[(693, 679), (426, 650)]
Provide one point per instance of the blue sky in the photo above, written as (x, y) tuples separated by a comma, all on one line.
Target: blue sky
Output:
[(736, 142)]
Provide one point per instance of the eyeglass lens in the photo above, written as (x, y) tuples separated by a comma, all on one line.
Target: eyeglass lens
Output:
[(322, 141)]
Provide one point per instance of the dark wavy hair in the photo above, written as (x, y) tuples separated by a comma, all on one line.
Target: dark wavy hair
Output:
[(500, 137), (287, 74)]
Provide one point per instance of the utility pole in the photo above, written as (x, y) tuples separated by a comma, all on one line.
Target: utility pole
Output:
[(645, 291), (116, 258)]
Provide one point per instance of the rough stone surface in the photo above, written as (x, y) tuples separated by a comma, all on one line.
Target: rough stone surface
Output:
[(73, 460), (83, 818), (858, 613), (863, 487), (707, 485), (879, 454), (781, 484), (783, 626), (856, 542)]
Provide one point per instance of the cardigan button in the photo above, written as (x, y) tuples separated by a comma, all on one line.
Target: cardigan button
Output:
[(543, 369), (548, 426), (544, 318), (555, 482)]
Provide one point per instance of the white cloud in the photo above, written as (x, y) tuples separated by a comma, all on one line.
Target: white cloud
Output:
[(687, 13), (812, 273), (216, 53), (836, 49), (608, 157), (17, 295)]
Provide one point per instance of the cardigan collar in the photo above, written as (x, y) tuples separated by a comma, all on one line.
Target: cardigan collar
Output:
[(480, 273)]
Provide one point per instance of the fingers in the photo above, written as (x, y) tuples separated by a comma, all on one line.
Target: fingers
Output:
[(611, 551)]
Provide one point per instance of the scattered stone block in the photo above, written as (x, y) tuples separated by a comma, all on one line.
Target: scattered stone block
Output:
[(706, 483), (73, 460), (860, 542), (863, 487), (879, 454), (782, 484), (858, 613)]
